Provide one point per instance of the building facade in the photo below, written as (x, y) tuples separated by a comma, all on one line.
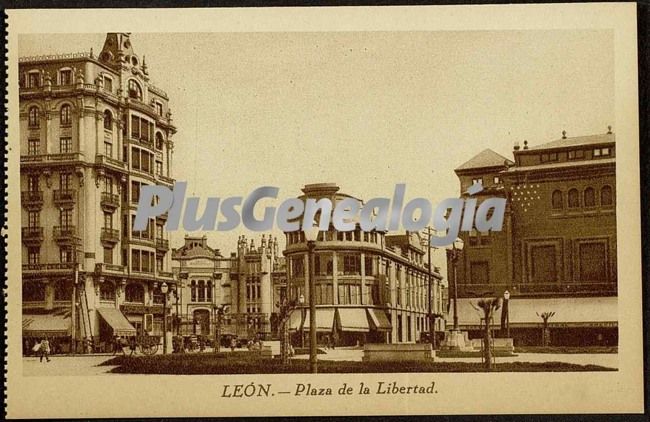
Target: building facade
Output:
[(370, 286), (557, 250), (93, 131), (246, 287)]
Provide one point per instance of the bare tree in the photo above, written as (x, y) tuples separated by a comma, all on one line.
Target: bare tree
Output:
[(487, 307), (546, 335)]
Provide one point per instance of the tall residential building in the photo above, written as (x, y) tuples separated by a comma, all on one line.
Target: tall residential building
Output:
[(370, 286), (557, 250), (93, 131)]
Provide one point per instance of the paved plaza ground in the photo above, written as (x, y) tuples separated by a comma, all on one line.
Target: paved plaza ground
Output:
[(89, 364)]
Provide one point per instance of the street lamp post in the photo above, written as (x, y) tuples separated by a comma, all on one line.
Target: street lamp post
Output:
[(455, 250), (506, 309), (301, 300), (311, 234), (164, 288), (218, 309), (432, 320)]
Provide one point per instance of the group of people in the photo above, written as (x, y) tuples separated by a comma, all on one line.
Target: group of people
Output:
[(330, 342)]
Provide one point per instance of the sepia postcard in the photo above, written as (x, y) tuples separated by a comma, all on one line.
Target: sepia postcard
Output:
[(323, 211)]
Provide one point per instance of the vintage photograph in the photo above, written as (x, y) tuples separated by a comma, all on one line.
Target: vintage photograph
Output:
[(435, 202)]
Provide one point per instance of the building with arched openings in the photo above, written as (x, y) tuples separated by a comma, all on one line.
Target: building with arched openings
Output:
[(557, 250), (93, 131)]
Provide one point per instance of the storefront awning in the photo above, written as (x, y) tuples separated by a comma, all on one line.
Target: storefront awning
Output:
[(295, 319), (55, 324), (117, 321), (378, 320), (569, 312), (324, 320), (353, 319)]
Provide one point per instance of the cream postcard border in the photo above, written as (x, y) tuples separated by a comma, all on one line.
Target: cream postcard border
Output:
[(483, 393)]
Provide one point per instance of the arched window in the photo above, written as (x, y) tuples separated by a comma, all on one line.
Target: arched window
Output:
[(574, 198), (590, 197), (606, 196), (134, 292), (159, 141), (557, 200), (134, 90), (201, 291), (34, 121), (33, 292), (62, 291), (64, 116), (108, 120), (107, 291)]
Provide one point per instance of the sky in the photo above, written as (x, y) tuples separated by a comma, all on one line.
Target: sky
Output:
[(365, 110)]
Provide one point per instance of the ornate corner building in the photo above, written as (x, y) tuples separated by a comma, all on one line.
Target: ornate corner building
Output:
[(557, 250), (370, 286), (93, 131)]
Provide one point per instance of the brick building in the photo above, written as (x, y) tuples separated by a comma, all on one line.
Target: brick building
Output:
[(557, 250)]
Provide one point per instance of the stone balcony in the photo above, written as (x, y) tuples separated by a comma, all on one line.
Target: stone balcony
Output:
[(32, 236)]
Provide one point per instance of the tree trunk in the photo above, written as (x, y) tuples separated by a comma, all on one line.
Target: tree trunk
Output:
[(487, 348)]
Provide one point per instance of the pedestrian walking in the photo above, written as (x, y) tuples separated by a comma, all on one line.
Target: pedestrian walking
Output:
[(132, 345), (233, 344), (328, 342), (44, 350)]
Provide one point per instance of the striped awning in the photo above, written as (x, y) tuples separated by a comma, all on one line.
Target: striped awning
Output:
[(54, 324), (117, 321), (352, 319)]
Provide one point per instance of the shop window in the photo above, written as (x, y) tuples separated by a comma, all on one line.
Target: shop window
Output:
[(134, 293), (107, 291), (33, 291)]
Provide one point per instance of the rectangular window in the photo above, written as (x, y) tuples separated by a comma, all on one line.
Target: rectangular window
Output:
[(66, 77), (65, 218), (479, 273), (135, 260), (543, 158), (604, 151), (552, 156), (369, 267), (65, 181), (108, 220), (597, 152), (135, 127), (108, 149), (593, 263), (108, 255), (108, 84), (297, 267), (478, 180), (496, 180), (33, 146), (544, 268), (65, 145), (65, 254), (135, 158), (34, 80), (159, 109), (33, 219), (34, 255), (349, 264), (32, 183)]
